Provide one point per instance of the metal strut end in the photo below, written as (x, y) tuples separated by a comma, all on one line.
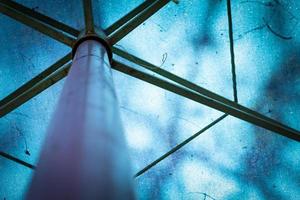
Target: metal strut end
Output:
[(99, 36)]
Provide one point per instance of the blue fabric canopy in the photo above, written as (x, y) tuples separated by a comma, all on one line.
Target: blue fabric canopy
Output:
[(233, 159)]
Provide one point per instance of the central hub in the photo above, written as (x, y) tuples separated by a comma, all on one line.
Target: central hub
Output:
[(98, 36)]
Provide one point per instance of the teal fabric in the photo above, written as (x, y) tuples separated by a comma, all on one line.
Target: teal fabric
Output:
[(233, 159)]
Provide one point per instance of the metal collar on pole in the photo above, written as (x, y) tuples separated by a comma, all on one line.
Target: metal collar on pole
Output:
[(98, 36)]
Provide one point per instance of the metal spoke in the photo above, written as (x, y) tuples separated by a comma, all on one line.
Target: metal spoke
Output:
[(179, 146), (189, 85), (27, 92), (204, 97), (36, 24), (208, 98), (41, 17), (213, 103), (35, 90), (17, 160), (88, 16), (136, 21), (173, 150), (161, 158), (230, 33), (36, 79), (128, 16)]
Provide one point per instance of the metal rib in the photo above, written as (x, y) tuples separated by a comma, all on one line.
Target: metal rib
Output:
[(213, 103), (190, 85), (128, 16), (230, 33), (179, 146), (28, 85), (88, 16), (136, 21), (41, 17), (37, 25), (35, 90), (204, 97), (17, 160)]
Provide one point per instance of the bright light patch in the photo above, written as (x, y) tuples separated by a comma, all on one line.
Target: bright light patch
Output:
[(200, 178), (138, 137)]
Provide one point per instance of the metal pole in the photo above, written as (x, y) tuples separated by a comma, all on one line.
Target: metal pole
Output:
[(85, 154)]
